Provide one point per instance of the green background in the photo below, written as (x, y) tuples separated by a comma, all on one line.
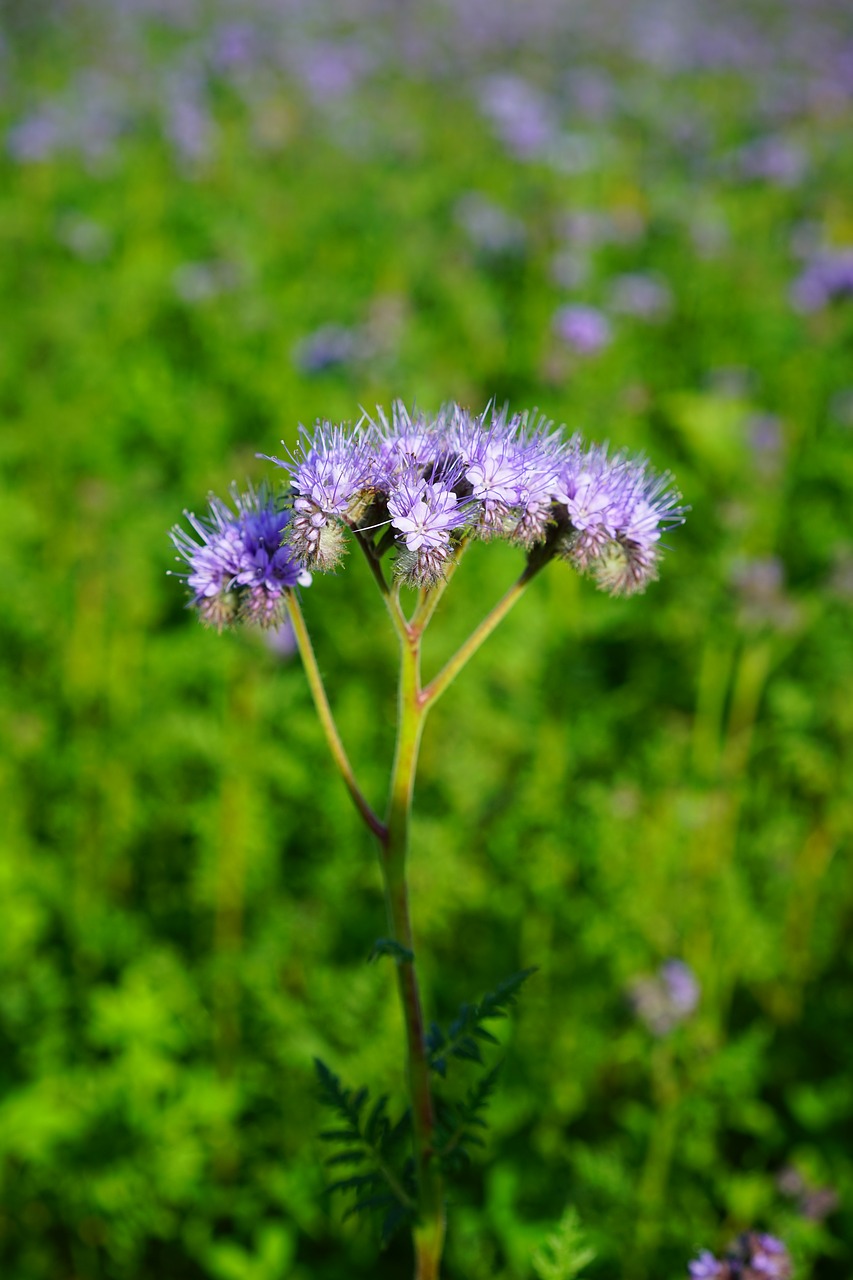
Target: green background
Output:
[(187, 898)]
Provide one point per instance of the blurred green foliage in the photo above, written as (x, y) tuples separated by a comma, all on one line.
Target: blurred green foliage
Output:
[(187, 898)]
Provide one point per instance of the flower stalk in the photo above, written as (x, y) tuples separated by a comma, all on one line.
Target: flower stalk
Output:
[(420, 491)]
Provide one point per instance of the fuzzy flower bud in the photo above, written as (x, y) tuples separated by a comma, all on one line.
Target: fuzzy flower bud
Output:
[(331, 487)]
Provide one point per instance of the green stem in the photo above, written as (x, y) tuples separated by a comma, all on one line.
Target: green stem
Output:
[(430, 596), (466, 651), (430, 1226), (327, 720)]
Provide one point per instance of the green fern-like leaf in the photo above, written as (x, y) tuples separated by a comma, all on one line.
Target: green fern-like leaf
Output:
[(565, 1254), (460, 1041), (375, 1146), (457, 1120)]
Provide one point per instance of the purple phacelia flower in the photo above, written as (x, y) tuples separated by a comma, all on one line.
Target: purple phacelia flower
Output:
[(590, 487), (667, 999), (239, 572), (332, 346), (402, 441), (425, 513), (521, 116), (331, 488), (648, 297), (492, 231), (754, 1256), (768, 1259), (616, 512), (707, 1267), (828, 278), (494, 467), (585, 329)]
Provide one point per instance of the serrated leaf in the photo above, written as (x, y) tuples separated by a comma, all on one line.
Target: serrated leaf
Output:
[(354, 1183), (352, 1156), (369, 1202), (396, 1217), (460, 1042), (376, 1120), (486, 1035), (468, 1052)]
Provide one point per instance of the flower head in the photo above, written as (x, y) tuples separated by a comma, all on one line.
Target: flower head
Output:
[(499, 475), (239, 571), (331, 484)]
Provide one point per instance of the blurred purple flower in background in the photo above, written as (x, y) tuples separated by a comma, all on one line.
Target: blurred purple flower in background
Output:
[(759, 585), (774, 159), (36, 137), (281, 640), (640, 294), (583, 328), (235, 46), (754, 1256), (520, 114), (827, 278), (667, 999), (330, 69), (706, 1267), (813, 1202), (491, 230), (189, 125), (198, 282), (332, 346)]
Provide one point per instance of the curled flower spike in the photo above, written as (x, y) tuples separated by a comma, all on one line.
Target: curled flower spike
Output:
[(239, 572), (330, 485)]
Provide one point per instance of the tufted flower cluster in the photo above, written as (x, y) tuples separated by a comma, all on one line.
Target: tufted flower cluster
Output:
[(755, 1256), (240, 571), (428, 483)]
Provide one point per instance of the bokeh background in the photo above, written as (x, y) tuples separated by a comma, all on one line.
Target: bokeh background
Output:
[(222, 219)]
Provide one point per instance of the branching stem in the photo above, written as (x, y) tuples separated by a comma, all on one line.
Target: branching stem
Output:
[(481, 633), (327, 720)]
